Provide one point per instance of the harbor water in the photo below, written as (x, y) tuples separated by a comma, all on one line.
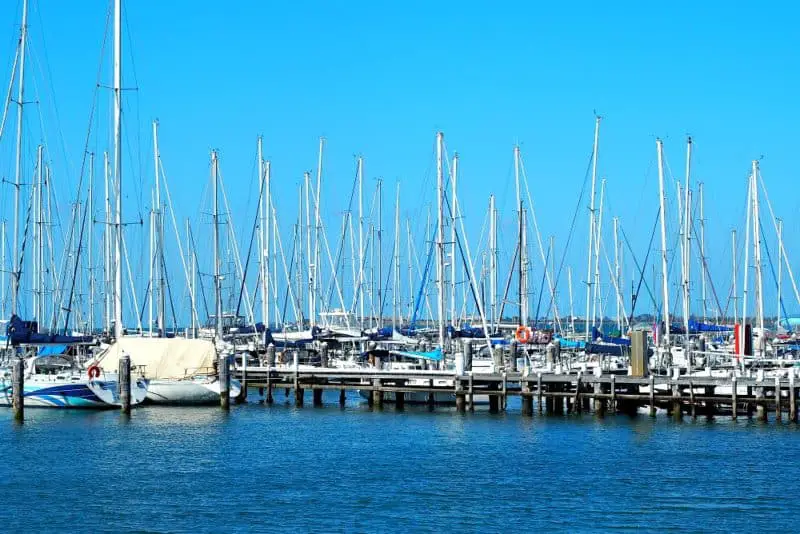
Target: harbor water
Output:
[(328, 469)]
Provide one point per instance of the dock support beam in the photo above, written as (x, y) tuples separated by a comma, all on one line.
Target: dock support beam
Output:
[(17, 389), (778, 407), (377, 393), (342, 398), (224, 382), (792, 399), (734, 399), (399, 400), (677, 408), (299, 397), (124, 384), (317, 397), (761, 407)]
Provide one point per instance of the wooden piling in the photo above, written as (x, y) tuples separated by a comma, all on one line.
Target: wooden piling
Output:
[(778, 404), (527, 398), (599, 404), (539, 391), (576, 403), (399, 400), (613, 404), (734, 399), (792, 399), (18, 389), (224, 371), (431, 396), (342, 397), (494, 402), (504, 397), (461, 402), (377, 393), (691, 400), (317, 397), (677, 405), (299, 397), (652, 396), (124, 384), (269, 398), (471, 395), (749, 403), (761, 408)]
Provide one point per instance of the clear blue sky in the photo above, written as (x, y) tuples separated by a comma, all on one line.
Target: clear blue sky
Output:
[(380, 80)]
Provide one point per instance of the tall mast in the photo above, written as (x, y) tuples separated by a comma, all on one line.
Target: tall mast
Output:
[(108, 234), (662, 200), (118, 169), (217, 280), (161, 303), (90, 249), (571, 309), (151, 278), (262, 232), (3, 268), (396, 288), (492, 262), (360, 291), (780, 272), (318, 222), (733, 275), (746, 266), (522, 288), (702, 249), (380, 253), (616, 273), (192, 279), (23, 38), (268, 280), (453, 242), (597, 238), (757, 251), (687, 230), (591, 226), (440, 234), (38, 239), (312, 312)]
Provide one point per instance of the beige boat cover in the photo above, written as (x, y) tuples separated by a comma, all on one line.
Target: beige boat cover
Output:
[(161, 357)]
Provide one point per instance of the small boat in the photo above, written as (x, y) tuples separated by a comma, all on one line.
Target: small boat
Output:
[(53, 383)]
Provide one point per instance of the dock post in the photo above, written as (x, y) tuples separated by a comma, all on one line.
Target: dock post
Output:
[(504, 398), (734, 399), (677, 413), (578, 401), (270, 355), (539, 391), (431, 396), (652, 396), (299, 397), (342, 398), (761, 409), (461, 402), (691, 400), (558, 400), (224, 382), (749, 404), (471, 394), (792, 399), (599, 403), (711, 406), (513, 362), (613, 405), (527, 398), (124, 384), (494, 399), (17, 389), (377, 393), (778, 408), (323, 354), (399, 400), (317, 397)]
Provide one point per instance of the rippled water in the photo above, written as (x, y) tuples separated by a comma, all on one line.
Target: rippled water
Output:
[(327, 469)]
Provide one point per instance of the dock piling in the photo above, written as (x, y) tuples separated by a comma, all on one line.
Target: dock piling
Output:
[(652, 396), (778, 407), (17, 389), (734, 399), (792, 399), (124, 384), (317, 397), (224, 382)]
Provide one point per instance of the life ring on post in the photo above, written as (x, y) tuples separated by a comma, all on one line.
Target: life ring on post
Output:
[(93, 371), (523, 334)]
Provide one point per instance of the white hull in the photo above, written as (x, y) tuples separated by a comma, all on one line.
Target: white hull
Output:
[(48, 391), (190, 391)]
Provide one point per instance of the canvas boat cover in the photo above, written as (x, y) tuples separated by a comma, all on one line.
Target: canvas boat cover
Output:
[(161, 358)]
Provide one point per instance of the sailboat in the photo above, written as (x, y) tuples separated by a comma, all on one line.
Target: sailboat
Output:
[(48, 381)]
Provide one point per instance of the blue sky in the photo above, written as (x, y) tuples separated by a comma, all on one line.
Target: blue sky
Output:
[(380, 80)]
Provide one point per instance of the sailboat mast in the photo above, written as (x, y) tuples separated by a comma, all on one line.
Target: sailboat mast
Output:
[(396, 288), (23, 39), (318, 223), (687, 231), (734, 293), (380, 253), (440, 235), (38, 240), (107, 239), (746, 268), (664, 273), (589, 251), (118, 169), (702, 249), (161, 303), (492, 263), (599, 230), (453, 242), (571, 309), (312, 312), (616, 272), (360, 285), (521, 288), (780, 272), (90, 248), (263, 232), (217, 281), (757, 252)]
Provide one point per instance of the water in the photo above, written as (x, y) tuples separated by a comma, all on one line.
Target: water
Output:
[(354, 470)]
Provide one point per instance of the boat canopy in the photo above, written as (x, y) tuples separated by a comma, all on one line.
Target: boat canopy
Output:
[(435, 355), (161, 358), (19, 332)]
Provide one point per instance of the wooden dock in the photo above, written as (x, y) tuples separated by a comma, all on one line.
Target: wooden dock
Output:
[(550, 393)]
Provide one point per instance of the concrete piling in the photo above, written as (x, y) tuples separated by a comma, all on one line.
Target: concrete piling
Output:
[(17, 389), (124, 384), (224, 371)]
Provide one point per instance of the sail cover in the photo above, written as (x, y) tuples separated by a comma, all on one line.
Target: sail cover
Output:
[(162, 358)]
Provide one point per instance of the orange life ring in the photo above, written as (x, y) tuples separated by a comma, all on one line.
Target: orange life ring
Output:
[(93, 371), (523, 334)]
